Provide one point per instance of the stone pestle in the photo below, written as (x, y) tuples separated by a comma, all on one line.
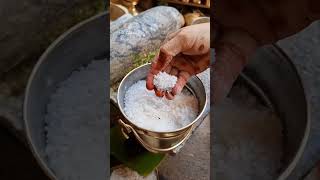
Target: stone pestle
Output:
[(142, 33)]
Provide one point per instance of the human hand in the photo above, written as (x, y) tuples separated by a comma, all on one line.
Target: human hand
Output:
[(185, 53), (243, 26)]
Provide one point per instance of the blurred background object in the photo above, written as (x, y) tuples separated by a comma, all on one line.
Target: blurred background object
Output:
[(192, 10), (131, 5), (192, 3), (116, 11), (190, 17)]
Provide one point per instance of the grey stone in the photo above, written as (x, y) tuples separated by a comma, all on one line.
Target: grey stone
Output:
[(115, 25), (193, 160), (142, 33)]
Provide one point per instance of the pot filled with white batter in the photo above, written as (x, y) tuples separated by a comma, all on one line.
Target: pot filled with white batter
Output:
[(160, 125)]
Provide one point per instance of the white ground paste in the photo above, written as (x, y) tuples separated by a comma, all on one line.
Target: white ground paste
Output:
[(164, 81), (148, 111), (247, 139), (76, 125)]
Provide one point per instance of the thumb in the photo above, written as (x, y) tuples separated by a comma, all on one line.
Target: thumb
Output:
[(233, 50)]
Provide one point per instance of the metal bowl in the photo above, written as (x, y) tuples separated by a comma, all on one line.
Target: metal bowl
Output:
[(159, 142), (272, 71), (75, 48)]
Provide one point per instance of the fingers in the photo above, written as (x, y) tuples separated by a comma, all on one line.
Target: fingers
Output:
[(149, 81), (172, 35), (199, 42), (181, 63), (168, 69), (174, 71), (182, 81), (187, 42), (181, 68), (201, 62), (193, 40), (174, 46), (190, 40), (183, 77), (204, 63), (159, 63), (169, 95), (159, 93), (184, 68)]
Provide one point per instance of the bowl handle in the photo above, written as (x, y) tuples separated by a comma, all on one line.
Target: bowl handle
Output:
[(126, 129)]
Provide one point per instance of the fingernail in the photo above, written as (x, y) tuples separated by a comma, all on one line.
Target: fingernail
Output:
[(169, 96), (159, 93)]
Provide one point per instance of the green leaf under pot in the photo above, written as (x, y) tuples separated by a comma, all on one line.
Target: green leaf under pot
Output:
[(131, 154)]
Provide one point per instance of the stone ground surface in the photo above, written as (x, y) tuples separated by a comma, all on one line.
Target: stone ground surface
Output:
[(193, 160)]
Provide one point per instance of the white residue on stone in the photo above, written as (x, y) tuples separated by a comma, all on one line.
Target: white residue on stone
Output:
[(164, 81), (76, 125), (148, 111)]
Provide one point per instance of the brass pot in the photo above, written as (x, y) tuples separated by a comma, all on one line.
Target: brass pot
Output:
[(158, 142), (131, 5), (116, 11)]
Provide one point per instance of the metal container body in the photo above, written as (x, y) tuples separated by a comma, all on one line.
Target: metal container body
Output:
[(159, 141), (276, 76), (75, 48)]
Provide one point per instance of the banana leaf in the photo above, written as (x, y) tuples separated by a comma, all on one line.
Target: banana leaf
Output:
[(132, 154)]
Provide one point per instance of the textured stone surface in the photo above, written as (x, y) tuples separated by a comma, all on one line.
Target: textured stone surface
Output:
[(304, 50), (193, 160), (114, 25), (142, 33)]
